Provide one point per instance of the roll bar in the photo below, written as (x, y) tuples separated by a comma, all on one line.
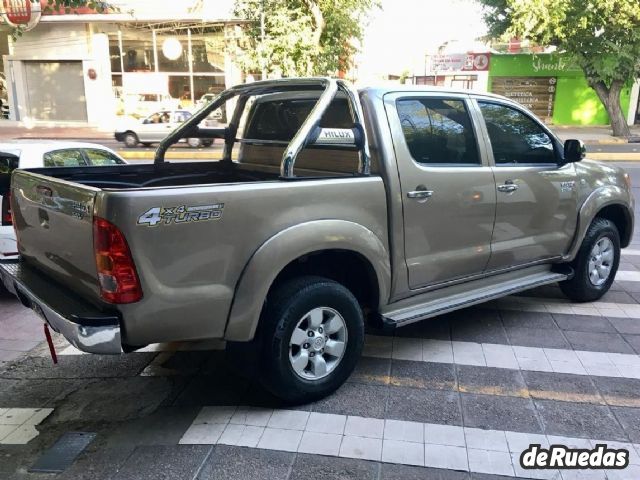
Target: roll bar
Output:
[(309, 133)]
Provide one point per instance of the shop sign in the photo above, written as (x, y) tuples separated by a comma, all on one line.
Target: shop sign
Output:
[(463, 62), (535, 93)]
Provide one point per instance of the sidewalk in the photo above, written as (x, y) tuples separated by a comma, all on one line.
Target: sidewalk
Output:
[(595, 135), (17, 130)]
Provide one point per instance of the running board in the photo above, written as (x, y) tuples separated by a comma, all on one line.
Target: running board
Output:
[(444, 300)]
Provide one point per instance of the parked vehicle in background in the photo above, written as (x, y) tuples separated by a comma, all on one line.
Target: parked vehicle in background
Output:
[(287, 244), (141, 105), (218, 116), (155, 128), (38, 154)]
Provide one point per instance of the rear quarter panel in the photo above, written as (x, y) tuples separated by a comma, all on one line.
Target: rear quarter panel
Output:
[(189, 271)]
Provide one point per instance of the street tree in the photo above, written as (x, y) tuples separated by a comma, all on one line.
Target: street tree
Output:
[(602, 36), (300, 37)]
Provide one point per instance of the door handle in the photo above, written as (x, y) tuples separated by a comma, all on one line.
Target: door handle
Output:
[(420, 194), (508, 187)]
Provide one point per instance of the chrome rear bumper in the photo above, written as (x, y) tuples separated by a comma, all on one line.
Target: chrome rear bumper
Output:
[(83, 325)]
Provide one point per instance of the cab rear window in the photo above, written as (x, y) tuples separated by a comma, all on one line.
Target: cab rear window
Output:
[(280, 120)]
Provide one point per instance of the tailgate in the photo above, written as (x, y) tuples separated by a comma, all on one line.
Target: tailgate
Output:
[(54, 221)]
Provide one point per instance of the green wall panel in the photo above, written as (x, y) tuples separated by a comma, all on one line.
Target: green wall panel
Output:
[(575, 102)]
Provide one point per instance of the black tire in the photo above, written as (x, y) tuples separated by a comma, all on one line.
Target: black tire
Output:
[(580, 288), (285, 307), (130, 140)]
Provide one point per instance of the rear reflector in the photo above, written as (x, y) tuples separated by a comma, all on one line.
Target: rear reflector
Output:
[(117, 274), (7, 219)]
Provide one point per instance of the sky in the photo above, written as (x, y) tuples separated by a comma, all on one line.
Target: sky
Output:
[(399, 35)]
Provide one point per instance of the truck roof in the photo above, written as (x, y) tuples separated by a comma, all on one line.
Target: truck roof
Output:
[(382, 89)]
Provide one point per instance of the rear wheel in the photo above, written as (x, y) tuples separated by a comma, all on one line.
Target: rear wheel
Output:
[(130, 140), (313, 335), (596, 264)]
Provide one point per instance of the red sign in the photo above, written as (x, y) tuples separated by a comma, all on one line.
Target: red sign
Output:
[(18, 12)]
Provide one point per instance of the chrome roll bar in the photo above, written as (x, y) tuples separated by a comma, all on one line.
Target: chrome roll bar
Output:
[(305, 136)]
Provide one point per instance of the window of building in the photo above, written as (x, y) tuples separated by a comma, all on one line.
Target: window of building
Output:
[(438, 131), (515, 137)]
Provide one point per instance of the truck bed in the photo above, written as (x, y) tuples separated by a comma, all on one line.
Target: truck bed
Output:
[(133, 176)]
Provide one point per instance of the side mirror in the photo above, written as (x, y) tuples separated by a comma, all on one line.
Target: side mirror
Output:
[(574, 151)]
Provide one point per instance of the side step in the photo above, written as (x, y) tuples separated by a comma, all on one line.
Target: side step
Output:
[(444, 300)]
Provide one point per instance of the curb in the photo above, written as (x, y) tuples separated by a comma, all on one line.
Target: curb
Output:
[(614, 157)]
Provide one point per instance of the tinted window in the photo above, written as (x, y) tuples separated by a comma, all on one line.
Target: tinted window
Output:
[(438, 131), (515, 137), (102, 157), (64, 158), (280, 120)]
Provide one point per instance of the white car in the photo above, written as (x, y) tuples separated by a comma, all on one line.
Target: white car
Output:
[(155, 128), (37, 154), (143, 104)]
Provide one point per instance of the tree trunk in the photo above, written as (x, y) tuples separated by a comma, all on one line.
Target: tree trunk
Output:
[(610, 98)]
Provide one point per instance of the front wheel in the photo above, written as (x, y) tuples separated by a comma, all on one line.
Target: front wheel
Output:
[(194, 142), (313, 336), (131, 140), (596, 264)]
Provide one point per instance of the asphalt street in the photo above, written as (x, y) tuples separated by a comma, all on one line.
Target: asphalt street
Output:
[(456, 397)]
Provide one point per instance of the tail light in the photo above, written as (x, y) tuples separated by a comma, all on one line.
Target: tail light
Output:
[(117, 274), (7, 219)]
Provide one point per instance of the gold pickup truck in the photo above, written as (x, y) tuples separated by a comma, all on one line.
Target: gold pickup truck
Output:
[(329, 207)]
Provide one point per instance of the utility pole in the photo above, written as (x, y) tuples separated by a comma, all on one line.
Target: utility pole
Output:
[(262, 35)]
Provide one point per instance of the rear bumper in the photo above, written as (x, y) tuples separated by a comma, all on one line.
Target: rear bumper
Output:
[(82, 324)]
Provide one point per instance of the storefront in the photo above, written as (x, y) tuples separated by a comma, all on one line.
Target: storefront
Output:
[(554, 88), (87, 68)]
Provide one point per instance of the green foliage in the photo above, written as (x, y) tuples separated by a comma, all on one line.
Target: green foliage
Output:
[(302, 37), (68, 6), (603, 36)]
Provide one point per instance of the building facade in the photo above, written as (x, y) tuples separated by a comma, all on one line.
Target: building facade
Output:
[(88, 67), (554, 88), (549, 84)]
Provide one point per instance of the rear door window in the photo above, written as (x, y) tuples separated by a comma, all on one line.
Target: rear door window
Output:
[(64, 158)]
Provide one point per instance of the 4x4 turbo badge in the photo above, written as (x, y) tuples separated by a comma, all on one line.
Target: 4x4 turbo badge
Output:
[(183, 214)]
